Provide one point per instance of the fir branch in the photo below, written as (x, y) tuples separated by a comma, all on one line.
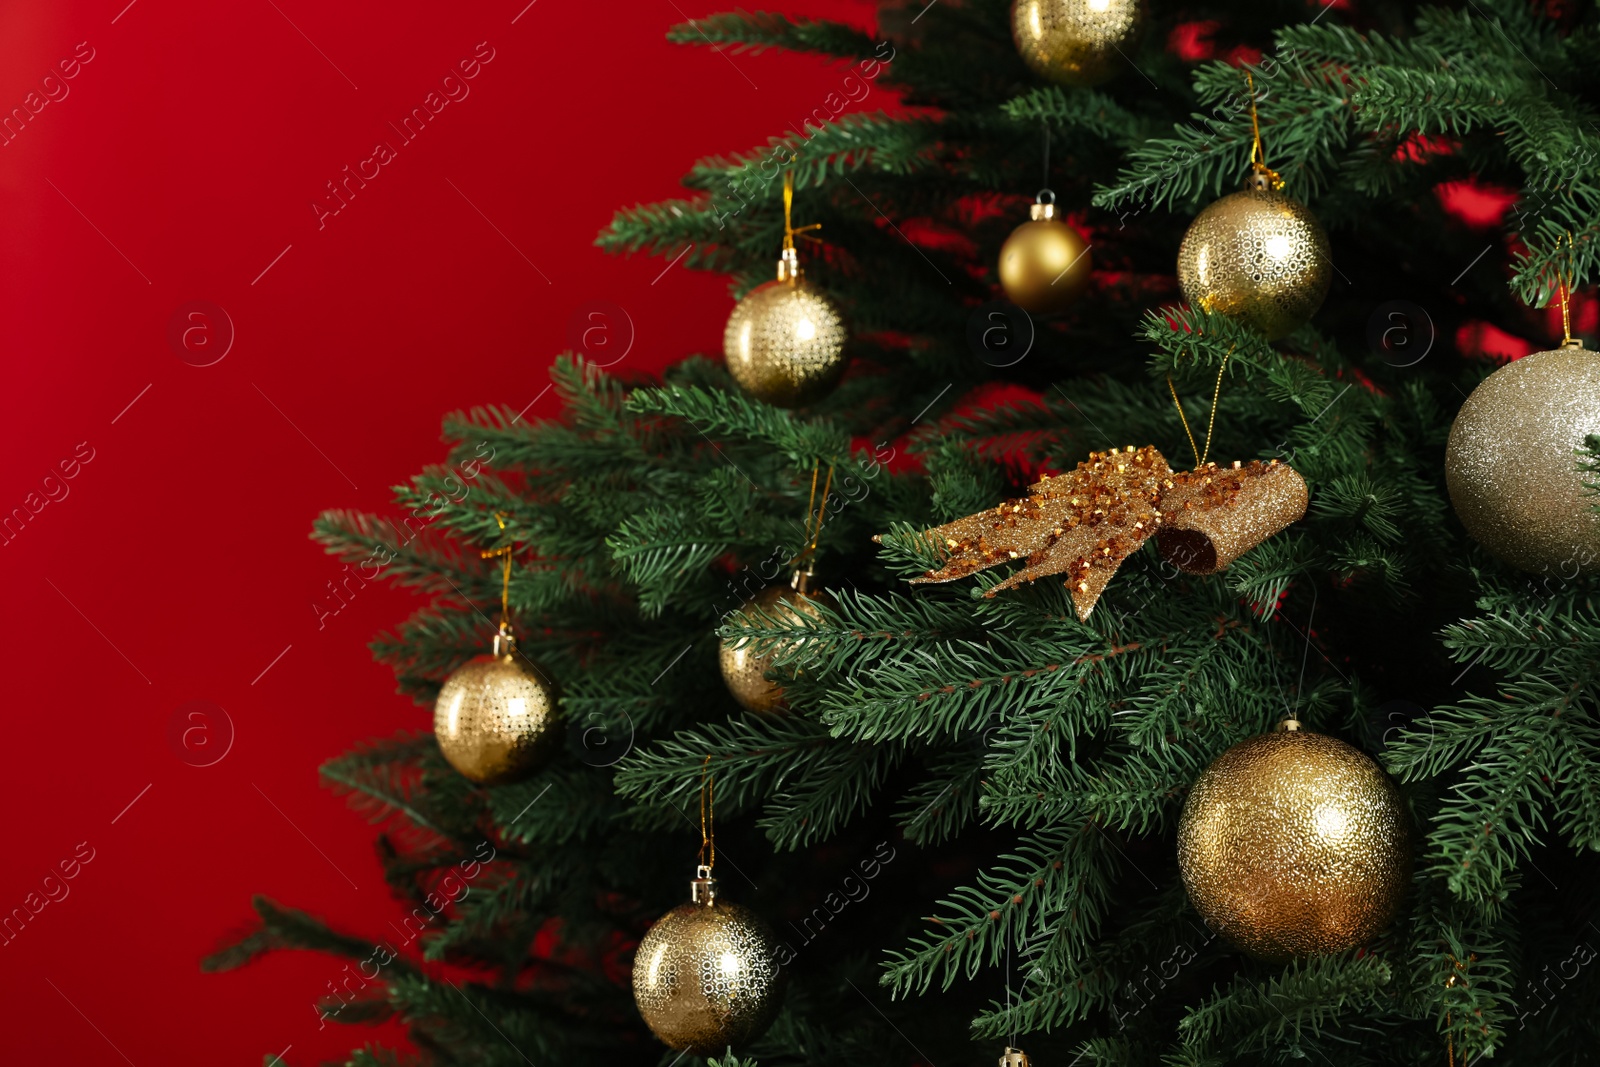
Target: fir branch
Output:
[(755, 32)]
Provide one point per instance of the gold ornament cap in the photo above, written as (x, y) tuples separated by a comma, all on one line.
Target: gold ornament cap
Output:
[(703, 887), (1014, 1057), (789, 266)]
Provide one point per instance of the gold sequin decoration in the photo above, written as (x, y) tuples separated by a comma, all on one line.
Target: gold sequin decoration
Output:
[(1076, 42), (784, 343), (1085, 523), (1511, 468), (705, 977), (1295, 844), (744, 670), (496, 719), (1259, 257)]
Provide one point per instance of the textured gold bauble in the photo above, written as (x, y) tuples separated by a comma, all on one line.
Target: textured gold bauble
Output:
[(1510, 467), (743, 669), (1076, 42), (496, 719), (1259, 257), (785, 343), (1044, 264), (1294, 844), (706, 976)]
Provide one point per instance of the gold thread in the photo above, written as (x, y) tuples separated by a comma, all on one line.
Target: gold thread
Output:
[(1216, 395), (1177, 404), (505, 579), (822, 510), (1566, 286), (708, 816), (811, 501), (815, 513), (789, 231), (1257, 154)]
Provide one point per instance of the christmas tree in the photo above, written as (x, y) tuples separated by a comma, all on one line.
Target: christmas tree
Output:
[(963, 824)]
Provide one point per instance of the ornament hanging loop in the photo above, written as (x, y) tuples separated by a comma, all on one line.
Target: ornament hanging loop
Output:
[(1044, 206), (789, 262), (1261, 176), (504, 641)]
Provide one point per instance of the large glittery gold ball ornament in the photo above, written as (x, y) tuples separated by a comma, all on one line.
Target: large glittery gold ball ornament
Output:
[(1044, 264), (744, 669), (1511, 468), (707, 975), (1259, 257), (785, 343), (1294, 844), (1076, 42), (496, 718)]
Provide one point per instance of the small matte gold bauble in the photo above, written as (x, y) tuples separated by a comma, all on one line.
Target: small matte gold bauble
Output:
[(1294, 844), (743, 669), (1044, 264), (785, 340), (1076, 42), (1259, 257), (1511, 468), (707, 975), (496, 718)]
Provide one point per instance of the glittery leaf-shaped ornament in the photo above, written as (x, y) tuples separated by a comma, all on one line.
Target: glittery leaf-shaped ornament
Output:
[(1086, 522)]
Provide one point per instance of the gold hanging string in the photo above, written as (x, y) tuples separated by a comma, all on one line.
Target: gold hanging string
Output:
[(1216, 395), (822, 509), (789, 231), (505, 579), (1211, 421), (1257, 155), (1179, 405), (816, 511), (708, 843), (1565, 281)]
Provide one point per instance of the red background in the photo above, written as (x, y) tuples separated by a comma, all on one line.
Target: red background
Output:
[(180, 164)]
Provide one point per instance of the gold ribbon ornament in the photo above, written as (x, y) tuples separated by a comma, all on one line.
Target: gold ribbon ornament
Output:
[(1085, 523)]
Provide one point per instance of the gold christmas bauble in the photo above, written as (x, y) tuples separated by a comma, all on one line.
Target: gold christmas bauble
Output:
[(1511, 468), (743, 669), (706, 976), (496, 719), (1076, 42), (1294, 844), (785, 343), (1259, 257), (1044, 264)]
